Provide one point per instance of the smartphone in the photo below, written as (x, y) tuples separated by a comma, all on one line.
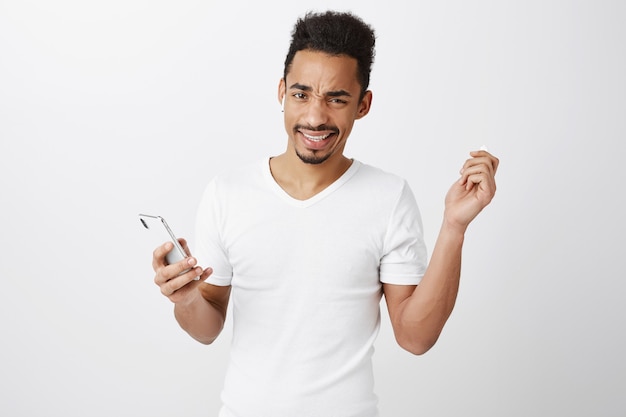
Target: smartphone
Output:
[(160, 228)]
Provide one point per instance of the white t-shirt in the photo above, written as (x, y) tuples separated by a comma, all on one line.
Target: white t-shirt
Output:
[(306, 285)]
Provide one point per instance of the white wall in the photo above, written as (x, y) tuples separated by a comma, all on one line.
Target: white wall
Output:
[(108, 109)]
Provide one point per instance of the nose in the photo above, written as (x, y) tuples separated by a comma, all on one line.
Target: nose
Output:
[(316, 112)]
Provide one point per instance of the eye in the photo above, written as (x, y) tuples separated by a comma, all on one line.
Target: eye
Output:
[(337, 102), (300, 96)]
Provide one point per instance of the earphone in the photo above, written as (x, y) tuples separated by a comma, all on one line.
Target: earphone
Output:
[(283, 105)]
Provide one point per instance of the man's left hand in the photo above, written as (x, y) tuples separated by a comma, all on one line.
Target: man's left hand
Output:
[(473, 191)]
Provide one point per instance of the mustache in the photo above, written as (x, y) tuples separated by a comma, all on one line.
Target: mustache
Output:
[(320, 128)]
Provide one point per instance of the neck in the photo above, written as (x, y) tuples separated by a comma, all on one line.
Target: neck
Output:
[(302, 180)]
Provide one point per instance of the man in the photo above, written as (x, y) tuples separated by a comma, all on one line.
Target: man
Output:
[(310, 240)]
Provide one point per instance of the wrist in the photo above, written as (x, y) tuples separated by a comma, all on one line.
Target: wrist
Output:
[(452, 229), (188, 300)]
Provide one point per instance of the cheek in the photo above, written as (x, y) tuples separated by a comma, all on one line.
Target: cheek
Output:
[(288, 122), (346, 125)]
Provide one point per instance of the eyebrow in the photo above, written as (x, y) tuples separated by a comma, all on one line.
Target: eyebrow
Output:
[(337, 93)]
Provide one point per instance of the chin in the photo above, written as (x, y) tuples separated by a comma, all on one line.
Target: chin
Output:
[(313, 159)]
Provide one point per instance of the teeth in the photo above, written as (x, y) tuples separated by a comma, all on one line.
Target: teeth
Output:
[(315, 138)]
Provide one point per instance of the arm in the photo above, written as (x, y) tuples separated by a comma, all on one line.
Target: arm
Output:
[(199, 308), (418, 313)]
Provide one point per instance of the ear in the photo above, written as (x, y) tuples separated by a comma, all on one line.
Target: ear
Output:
[(282, 90), (364, 105)]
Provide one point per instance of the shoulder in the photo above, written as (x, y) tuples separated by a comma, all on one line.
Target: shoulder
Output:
[(379, 180), (229, 183), (373, 171)]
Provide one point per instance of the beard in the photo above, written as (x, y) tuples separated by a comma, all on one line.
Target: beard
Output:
[(313, 159), (316, 157)]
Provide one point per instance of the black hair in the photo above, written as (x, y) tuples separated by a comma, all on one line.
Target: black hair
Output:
[(335, 33)]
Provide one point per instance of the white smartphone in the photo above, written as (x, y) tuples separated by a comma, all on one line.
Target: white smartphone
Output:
[(160, 228)]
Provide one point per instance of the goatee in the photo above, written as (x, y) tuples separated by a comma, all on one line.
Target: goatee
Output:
[(312, 159)]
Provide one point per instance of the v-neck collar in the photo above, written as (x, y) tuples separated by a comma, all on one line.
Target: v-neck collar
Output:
[(267, 174)]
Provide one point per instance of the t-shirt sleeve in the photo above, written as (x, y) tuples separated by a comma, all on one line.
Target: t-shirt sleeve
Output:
[(209, 248), (404, 259)]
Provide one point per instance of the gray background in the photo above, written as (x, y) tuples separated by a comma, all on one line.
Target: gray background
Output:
[(108, 109)]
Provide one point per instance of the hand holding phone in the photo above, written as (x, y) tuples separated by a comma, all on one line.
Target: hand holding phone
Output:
[(160, 228), (170, 279)]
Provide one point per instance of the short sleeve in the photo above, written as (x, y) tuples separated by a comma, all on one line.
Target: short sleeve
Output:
[(209, 248), (405, 256)]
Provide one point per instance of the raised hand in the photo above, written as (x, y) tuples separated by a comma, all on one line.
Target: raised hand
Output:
[(473, 191)]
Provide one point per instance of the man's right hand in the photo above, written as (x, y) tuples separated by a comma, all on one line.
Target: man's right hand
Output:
[(173, 283)]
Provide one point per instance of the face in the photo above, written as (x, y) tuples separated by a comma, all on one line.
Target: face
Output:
[(321, 94)]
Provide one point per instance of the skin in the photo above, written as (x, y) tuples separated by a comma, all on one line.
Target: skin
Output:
[(321, 95)]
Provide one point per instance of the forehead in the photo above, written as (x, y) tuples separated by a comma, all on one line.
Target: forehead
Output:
[(323, 72)]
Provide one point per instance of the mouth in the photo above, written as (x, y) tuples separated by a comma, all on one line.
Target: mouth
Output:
[(316, 142), (316, 138)]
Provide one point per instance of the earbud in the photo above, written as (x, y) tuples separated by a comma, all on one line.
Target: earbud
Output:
[(283, 105)]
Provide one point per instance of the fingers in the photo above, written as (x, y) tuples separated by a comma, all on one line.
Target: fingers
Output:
[(481, 168), (481, 180), (183, 243), (170, 287), (490, 159), (205, 274), (166, 272), (158, 255), (176, 281), (171, 278)]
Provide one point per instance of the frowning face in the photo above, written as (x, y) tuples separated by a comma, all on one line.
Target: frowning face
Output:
[(322, 101)]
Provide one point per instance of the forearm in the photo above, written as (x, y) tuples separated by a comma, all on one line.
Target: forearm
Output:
[(422, 316), (419, 314), (200, 318)]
